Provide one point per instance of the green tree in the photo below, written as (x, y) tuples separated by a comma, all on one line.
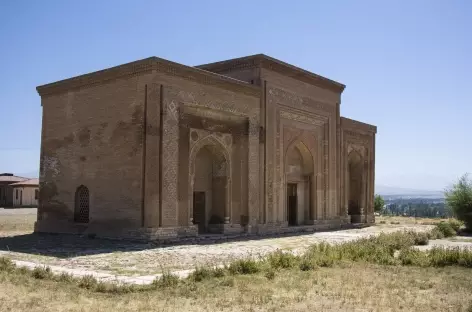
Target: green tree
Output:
[(378, 203), (459, 199)]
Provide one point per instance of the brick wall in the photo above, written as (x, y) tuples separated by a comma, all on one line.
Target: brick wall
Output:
[(93, 137)]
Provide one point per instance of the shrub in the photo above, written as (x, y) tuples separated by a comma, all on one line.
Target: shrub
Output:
[(23, 270), (282, 260), (382, 222), (88, 282), (412, 256), (103, 287), (167, 279), (6, 264), (42, 273), (244, 266), (395, 241), (455, 224), (440, 256), (435, 234), (218, 272), (421, 238), (307, 264), (446, 229), (65, 277), (459, 199), (201, 273)]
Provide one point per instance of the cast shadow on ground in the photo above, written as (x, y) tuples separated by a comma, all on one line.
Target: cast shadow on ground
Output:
[(67, 245)]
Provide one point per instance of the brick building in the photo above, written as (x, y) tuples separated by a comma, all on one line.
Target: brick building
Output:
[(155, 149)]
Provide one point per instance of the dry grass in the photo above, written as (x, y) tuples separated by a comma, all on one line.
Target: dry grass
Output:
[(353, 287), (16, 223), (347, 286), (130, 259)]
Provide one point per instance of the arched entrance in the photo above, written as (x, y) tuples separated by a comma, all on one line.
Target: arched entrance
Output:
[(210, 186), (355, 187), (298, 176)]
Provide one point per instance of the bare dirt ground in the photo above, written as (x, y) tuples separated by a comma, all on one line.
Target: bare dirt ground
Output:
[(137, 259)]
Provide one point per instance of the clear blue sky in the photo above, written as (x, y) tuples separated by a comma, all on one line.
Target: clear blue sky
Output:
[(407, 64)]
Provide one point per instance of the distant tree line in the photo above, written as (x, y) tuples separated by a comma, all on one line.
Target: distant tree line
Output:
[(457, 203), (419, 210)]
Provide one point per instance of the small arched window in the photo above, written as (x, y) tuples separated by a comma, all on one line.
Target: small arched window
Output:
[(82, 205)]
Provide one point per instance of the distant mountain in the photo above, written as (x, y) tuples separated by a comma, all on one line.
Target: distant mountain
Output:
[(390, 190)]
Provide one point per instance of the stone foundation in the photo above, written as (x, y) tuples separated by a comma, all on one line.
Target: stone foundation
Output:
[(102, 231), (370, 218), (225, 228), (189, 234)]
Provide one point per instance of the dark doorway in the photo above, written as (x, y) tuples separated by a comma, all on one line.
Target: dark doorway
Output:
[(356, 187), (199, 211), (292, 204)]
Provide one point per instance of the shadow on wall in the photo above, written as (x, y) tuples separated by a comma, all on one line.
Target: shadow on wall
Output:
[(69, 245)]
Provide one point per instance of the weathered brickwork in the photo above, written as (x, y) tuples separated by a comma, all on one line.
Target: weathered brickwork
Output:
[(250, 145)]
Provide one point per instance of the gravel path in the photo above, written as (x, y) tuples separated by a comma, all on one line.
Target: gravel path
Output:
[(137, 259)]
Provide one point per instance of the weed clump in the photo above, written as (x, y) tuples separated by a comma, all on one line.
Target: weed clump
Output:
[(455, 224), (282, 260), (42, 273), (414, 257), (307, 264), (166, 280), (439, 257), (244, 266), (447, 229), (6, 264), (421, 238), (88, 282)]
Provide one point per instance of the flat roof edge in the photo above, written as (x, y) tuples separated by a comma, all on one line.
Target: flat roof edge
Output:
[(270, 63), (143, 66)]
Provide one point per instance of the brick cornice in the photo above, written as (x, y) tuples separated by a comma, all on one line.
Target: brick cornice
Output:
[(351, 124), (269, 63), (145, 66)]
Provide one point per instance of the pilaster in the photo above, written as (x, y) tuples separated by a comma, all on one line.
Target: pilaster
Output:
[(170, 151)]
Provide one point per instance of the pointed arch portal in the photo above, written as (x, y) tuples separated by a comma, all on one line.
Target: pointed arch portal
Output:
[(299, 169), (355, 186), (209, 184)]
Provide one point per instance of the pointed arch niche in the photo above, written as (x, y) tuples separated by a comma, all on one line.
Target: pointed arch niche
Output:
[(209, 185), (300, 183), (355, 185)]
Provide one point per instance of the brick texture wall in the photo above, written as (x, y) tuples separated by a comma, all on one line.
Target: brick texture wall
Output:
[(93, 137)]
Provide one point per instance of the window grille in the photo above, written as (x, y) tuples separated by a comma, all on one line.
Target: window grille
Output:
[(82, 205)]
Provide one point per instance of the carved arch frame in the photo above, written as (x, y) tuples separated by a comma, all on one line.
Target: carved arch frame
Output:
[(304, 138), (361, 144), (223, 143)]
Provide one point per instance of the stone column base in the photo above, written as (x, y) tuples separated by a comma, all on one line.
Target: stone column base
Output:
[(357, 218), (370, 218)]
